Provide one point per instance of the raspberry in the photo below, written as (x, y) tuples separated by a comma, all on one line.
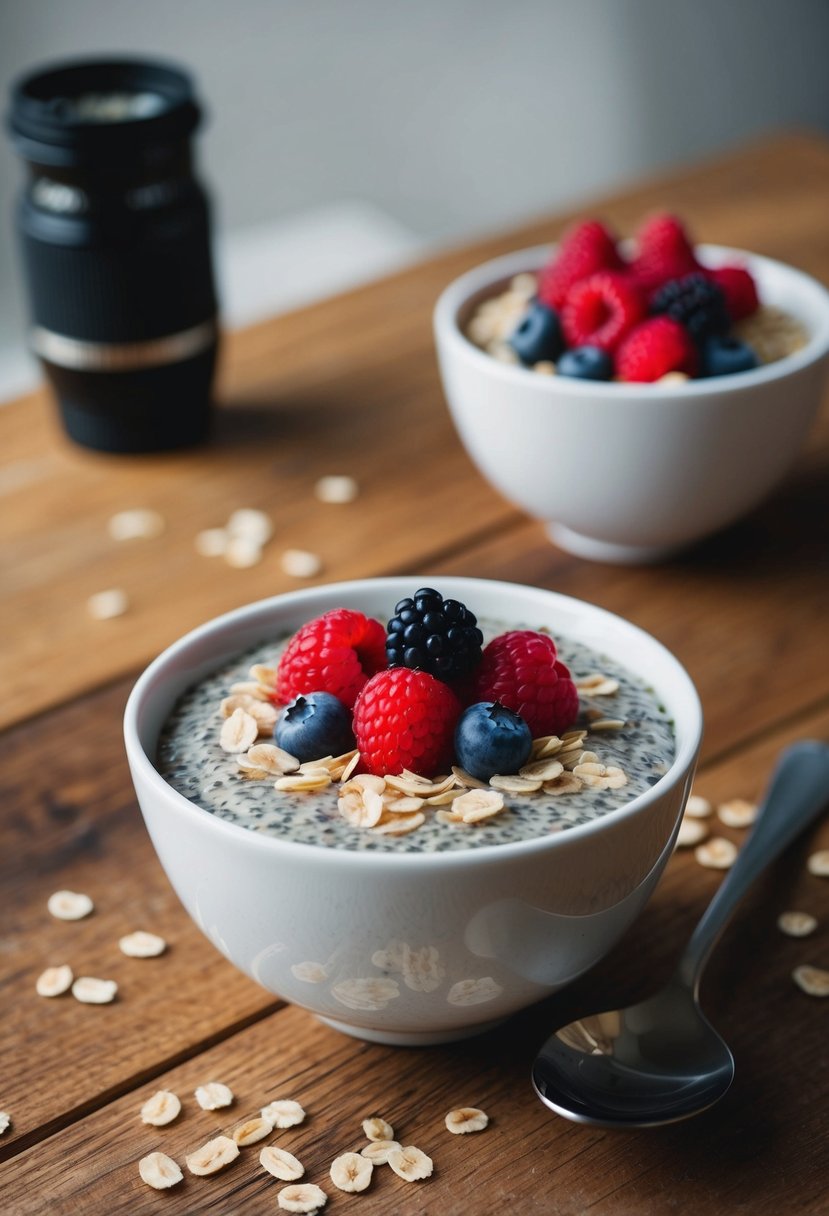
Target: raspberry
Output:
[(583, 250), (739, 289), (654, 348), (520, 670), (336, 653), (600, 310), (697, 302), (437, 635), (664, 251), (405, 719)]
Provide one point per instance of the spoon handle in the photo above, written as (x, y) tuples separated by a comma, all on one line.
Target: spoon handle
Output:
[(798, 791)]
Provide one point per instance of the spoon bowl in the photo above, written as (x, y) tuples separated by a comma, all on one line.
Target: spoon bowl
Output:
[(661, 1060)]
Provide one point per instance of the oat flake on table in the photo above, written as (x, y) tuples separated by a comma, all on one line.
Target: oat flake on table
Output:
[(162, 1108), (304, 1197), (818, 863), (466, 1119), (104, 605), (280, 1163), (214, 1095), (283, 1112), (54, 981), (91, 991), (69, 905), (159, 1171), (5, 1122), (141, 944), (796, 924), (410, 1163), (351, 1172), (212, 1156), (814, 981)]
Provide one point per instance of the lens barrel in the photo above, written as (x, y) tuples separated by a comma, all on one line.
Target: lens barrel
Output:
[(114, 229)]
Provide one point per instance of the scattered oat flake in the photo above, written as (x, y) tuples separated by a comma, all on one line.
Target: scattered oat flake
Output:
[(213, 1156), (138, 524), (478, 804), (399, 825), (69, 905), (159, 1171), (54, 981), (283, 1112), (104, 605), (162, 1108), (303, 783), (466, 1119), (812, 980), (252, 1130), (212, 542), (306, 1197), (474, 992), (462, 777), (597, 685), (5, 1121), (351, 1172), (716, 853), (91, 991), (141, 944), (818, 863), (367, 993), (697, 807), (547, 768), (251, 524), (512, 783), (738, 813), (239, 732), (410, 1163), (299, 563), (214, 1095), (796, 924), (378, 1151), (691, 832), (567, 783), (242, 552), (376, 1128), (309, 973), (280, 1163), (336, 489)]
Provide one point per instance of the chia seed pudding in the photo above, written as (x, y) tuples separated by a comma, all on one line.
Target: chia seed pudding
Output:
[(192, 761)]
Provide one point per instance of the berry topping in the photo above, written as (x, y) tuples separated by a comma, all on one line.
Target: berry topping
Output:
[(490, 739), (696, 302), (405, 719), (664, 251), (725, 356), (583, 250), (335, 652), (654, 348), (585, 363), (537, 335), (316, 724), (601, 309), (435, 635), (520, 670), (739, 289)]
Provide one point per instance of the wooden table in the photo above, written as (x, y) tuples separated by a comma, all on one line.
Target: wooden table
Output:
[(350, 386)]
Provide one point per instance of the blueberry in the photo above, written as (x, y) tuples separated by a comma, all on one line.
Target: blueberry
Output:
[(315, 724), (585, 363), (490, 739), (537, 336), (725, 356)]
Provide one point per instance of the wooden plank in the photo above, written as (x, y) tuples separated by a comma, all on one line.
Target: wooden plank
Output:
[(738, 1156), (347, 385)]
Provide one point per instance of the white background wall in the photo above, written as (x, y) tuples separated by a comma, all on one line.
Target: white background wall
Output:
[(451, 116)]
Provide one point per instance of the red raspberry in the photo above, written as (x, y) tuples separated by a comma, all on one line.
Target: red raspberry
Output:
[(600, 310), (406, 719), (583, 250), (654, 348), (520, 669), (336, 653), (739, 289), (664, 252)]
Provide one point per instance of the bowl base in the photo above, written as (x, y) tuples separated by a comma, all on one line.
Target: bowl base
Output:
[(411, 1038), (605, 551)]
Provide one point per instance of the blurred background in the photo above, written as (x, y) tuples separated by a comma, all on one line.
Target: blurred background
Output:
[(345, 137)]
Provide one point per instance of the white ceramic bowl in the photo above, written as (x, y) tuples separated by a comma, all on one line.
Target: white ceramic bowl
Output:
[(631, 472), (508, 923)]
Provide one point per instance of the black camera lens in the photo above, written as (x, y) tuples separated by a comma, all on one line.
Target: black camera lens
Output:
[(115, 235)]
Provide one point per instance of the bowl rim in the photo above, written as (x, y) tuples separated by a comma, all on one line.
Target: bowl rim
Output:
[(476, 281), (682, 765)]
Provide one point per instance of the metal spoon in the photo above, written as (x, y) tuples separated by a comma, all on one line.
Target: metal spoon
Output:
[(661, 1060)]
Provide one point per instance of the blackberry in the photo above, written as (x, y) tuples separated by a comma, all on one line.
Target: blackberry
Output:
[(696, 302), (435, 635)]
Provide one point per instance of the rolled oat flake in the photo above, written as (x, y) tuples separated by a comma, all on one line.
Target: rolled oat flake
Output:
[(305, 1197), (159, 1171)]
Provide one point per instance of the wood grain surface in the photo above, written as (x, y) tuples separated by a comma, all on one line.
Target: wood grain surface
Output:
[(350, 386)]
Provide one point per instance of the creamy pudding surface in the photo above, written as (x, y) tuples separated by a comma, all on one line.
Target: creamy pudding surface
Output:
[(625, 730)]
